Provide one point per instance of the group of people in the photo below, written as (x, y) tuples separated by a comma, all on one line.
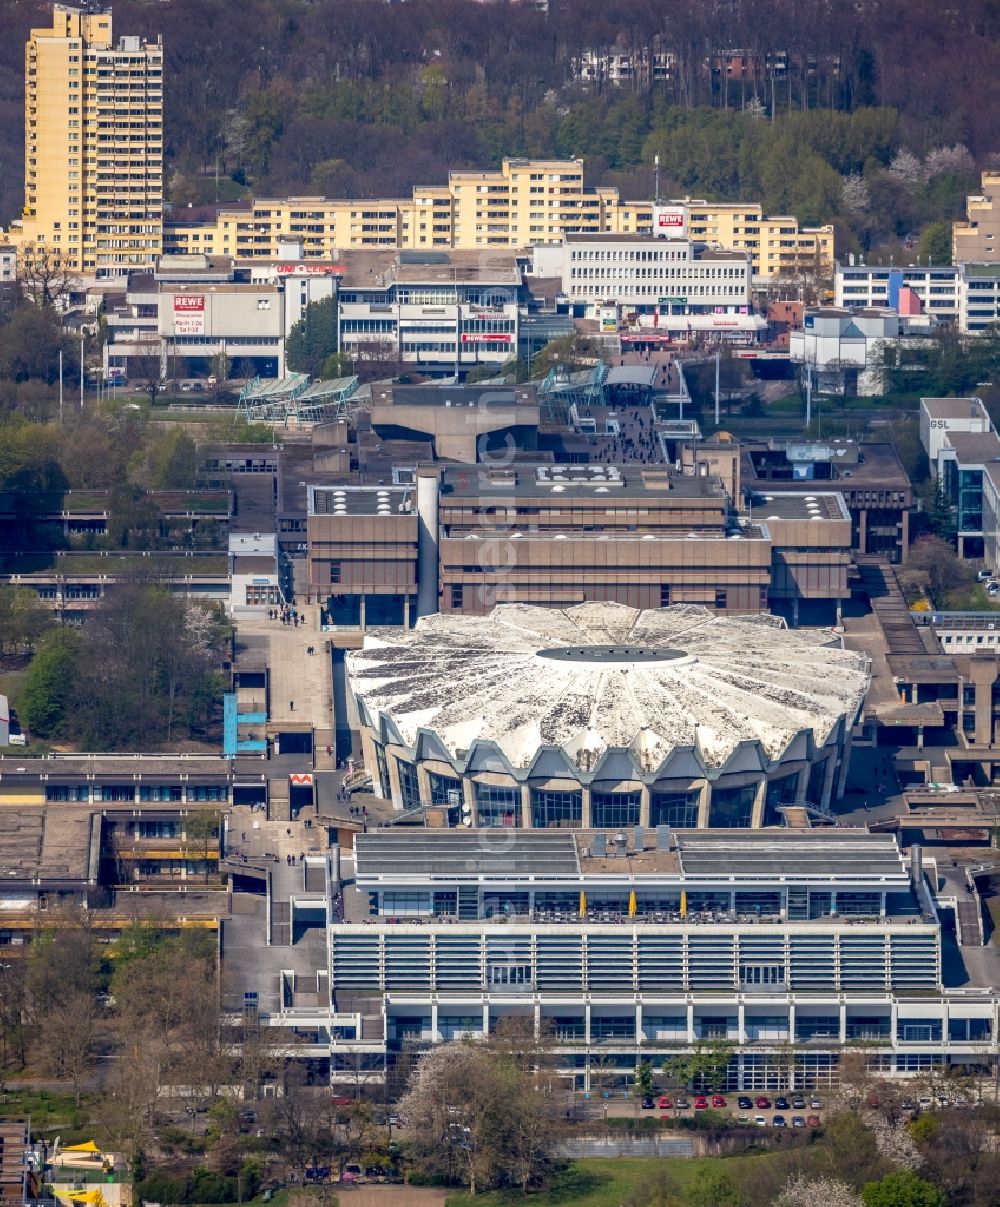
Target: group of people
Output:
[(286, 615)]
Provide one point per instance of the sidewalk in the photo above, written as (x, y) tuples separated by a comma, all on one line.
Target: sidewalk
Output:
[(301, 683)]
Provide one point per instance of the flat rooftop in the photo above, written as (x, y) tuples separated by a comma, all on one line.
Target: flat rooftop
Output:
[(805, 506), (591, 482), (454, 396), (57, 768), (359, 500), (380, 269), (451, 853), (45, 842), (952, 408), (826, 853), (975, 448), (871, 466)]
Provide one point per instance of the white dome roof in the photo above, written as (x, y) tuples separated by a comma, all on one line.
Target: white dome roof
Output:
[(603, 675)]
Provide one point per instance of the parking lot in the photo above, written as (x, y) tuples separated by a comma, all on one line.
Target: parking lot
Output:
[(791, 1111)]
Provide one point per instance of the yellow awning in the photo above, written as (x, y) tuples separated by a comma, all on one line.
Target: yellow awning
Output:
[(684, 903), (583, 904), (633, 907), (88, 1146)]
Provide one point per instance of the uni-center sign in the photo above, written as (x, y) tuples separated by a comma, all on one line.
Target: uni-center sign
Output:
[(189, 314)]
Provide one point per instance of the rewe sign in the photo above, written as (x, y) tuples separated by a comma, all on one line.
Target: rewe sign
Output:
[(189, 314)]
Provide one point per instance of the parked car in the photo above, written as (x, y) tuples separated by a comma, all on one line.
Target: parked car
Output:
[(813, 1121), (718, 1101), (816, 1103), (701, 1104), (778, 1121), (683, 1104), (925, 1103), (648, 1104), (781, 1104), (744, 1103), (665, 1103), (352, 1173), (984, 576), (760, 1121), (186, 387), (798, 1121), (763, 1103), (798, 1102), (742, 1118)]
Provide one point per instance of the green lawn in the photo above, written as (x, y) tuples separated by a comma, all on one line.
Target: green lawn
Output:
[(605, 1181), (49, 1111)]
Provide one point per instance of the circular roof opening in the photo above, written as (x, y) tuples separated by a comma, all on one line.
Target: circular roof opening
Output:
[(613, 654)]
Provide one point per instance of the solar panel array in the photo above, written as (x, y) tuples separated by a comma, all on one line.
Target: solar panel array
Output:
[(824, 853), (461, 852)]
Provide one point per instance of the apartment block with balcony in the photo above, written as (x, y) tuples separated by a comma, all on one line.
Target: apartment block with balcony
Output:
[(977, 239), (93, 146), (523, 203)]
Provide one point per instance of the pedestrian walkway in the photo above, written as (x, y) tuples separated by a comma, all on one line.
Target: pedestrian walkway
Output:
[(301, 684)]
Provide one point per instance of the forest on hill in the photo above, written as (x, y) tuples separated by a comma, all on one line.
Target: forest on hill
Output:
[(876, 114)]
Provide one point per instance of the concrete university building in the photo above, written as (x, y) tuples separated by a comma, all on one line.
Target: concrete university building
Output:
[(606, 716), (786, 948)]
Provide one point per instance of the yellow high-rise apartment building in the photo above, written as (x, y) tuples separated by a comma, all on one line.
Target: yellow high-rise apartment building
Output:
[(93, 141), (526, 202), (977, 239)]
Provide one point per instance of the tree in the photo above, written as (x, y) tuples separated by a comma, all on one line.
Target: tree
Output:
[(146, 375), (303, 1123), (644, 1079), (44, 699), (23, 618), (803, 1191), (68, 1036), (934, 245), (313, 338), (702, 1068), (30, 343), (44, 278), (221, 367), (61, 995), (478, 1114), (172, 461), (948, 576), (902, 1189)]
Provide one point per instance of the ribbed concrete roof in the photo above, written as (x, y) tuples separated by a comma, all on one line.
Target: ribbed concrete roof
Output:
[(603, 675)]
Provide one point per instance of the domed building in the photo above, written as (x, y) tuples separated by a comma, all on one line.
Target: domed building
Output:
[(603, 716)]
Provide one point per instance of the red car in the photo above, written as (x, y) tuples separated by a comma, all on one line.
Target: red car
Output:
[(718, 1100), (763, 1104), (665, 1104), (700, 1103)]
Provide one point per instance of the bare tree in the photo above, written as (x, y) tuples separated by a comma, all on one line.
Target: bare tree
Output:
[(44, 278), (68, 1036), (145, 372)]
